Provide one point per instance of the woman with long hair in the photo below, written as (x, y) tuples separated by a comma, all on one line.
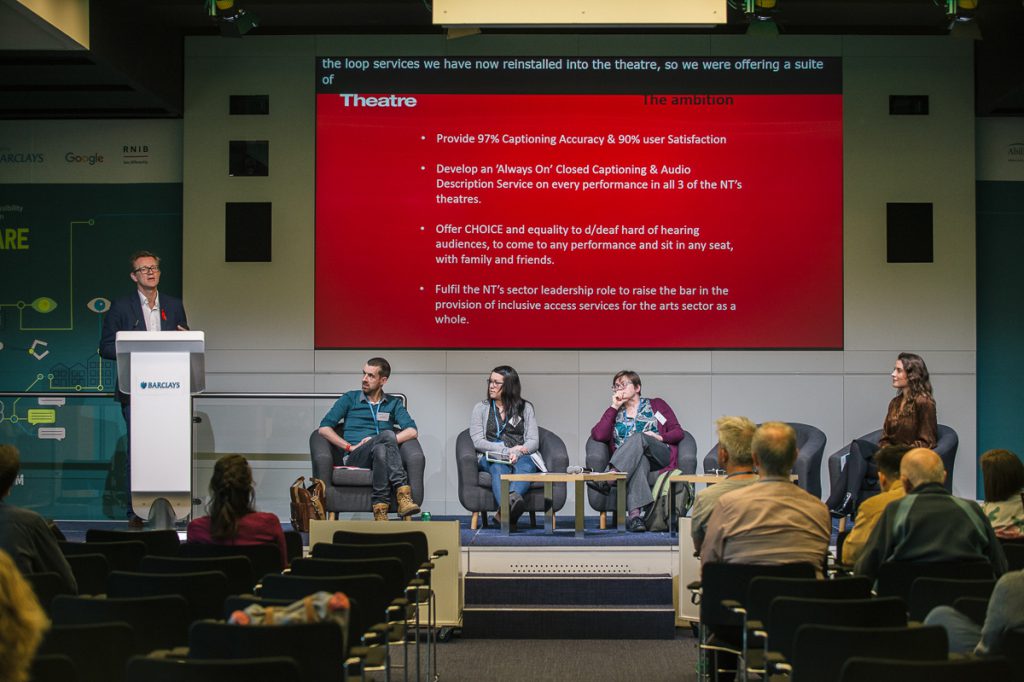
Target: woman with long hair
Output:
[(1004, 492), (232, 519), (910, 420), (504, 432), (22, 622)]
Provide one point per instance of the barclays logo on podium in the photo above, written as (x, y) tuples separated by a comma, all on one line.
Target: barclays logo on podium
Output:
[(160, 384)]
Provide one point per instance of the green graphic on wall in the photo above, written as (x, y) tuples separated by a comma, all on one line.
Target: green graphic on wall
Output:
[(63, 258)]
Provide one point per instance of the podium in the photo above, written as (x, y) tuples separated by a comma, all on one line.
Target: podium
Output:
[(161, 371)]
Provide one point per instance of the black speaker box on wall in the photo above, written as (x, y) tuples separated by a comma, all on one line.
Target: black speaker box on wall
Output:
[(247, 234), (909, 233)]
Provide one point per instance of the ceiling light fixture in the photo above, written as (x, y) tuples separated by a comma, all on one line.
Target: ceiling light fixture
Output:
[(233, 22)]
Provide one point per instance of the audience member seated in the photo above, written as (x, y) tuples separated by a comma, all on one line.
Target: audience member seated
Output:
[(1005, 612), (232, 519), (930, 524), (22, 622), (734, 437), (504, 424), (642, 434), (910, 419), (887, 459), (771, 521), (24, 534), (1004, 480)]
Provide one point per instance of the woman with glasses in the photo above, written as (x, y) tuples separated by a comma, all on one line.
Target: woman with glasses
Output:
[(504, 432), (642, 435)]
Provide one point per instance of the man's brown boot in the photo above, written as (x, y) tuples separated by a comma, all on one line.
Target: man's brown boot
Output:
[(380, 511), (406, 507)]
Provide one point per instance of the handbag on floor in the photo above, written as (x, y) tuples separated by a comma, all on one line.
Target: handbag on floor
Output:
[(307, 502), (657, 516)]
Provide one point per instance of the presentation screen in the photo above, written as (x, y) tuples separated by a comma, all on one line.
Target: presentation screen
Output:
[(593, 202)]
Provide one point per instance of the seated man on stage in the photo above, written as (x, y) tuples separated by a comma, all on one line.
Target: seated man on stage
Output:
[(375, 424), (641, 433)]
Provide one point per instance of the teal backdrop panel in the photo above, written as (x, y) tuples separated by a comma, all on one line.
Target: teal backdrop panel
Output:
[(1000, 318), (64, 252)]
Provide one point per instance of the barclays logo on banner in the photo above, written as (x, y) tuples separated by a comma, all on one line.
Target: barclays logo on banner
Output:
[(9, 156), (1015, 151), (159, 384)]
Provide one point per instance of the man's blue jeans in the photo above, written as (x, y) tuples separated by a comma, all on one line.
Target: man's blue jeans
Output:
[(523, 465)]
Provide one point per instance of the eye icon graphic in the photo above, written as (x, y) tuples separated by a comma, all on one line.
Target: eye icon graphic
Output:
[(98, 304)]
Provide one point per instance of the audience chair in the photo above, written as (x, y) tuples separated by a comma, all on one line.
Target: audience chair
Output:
[(90, 571), (157, 542), (926, 593), (974, 608), (788, 614), (53, 668), (948, 443), (350, 490), (121, 556), (204, 591), (721, 629), (237, 569), (46, 587), (98, 651), (475, 492), (810, 443), (276, 669), (598, 455), (294, 542), (1014, 552), (863, 669), (158, 622), (320, 649), (821, 651), (1012, 647), (264, 558), (895, 577), (763, 590), (403, 551)]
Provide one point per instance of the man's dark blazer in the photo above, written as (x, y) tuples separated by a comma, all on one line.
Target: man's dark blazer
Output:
[(125, 315)]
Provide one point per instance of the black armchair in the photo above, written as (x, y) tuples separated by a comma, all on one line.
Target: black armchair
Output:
[(810, 444), (475, 485)]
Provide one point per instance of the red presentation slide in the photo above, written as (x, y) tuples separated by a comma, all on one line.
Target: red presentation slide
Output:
[(506, 218)]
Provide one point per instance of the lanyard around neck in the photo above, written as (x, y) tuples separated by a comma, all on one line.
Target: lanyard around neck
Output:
[(497, 424), (374, 411)]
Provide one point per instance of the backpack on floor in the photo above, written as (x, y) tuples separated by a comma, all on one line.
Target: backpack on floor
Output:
[(657, 517), (307, 503)]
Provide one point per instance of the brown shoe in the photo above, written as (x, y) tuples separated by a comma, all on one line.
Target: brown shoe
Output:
[(406, 507), (380, 511)]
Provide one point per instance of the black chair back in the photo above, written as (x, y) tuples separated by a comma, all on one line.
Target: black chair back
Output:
[(388, 568), (895, 577), (90, 571), (264, 558), (237, 569), (863, 669), (99, 651), (157, 542), (277, 669), (1014, 552), (788, 614), (294, 541), (821, 651), (205, 592), (53, 668), (416, 538), (319, 648), (121, 556), (159, 622), (762, 590), (1012, 647), (721, 581), (403, 551), (47, 586), (927, 593)]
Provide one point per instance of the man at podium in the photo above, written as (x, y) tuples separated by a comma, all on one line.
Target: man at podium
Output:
[(144, 310)]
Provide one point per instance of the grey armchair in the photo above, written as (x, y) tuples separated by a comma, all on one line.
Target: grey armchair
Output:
[(810, 441), (475, 485), (946, 448), (598, 454), (349, 490)]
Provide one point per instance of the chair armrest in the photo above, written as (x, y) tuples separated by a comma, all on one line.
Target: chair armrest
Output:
[(733, 605), (439, 553), (776, 664)]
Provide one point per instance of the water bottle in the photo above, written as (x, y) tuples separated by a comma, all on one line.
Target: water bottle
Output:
[(425, 516)]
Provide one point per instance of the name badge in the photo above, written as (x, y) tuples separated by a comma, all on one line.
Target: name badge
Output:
[(514, 421), (660, 417), (383, 416)]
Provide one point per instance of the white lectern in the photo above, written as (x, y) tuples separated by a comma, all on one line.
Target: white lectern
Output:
[(161, 370)]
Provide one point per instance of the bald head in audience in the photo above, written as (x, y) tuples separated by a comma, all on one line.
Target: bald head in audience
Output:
[(774, 448), (920, 466)]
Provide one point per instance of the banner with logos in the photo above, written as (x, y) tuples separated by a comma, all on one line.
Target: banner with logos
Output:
[(76, 199), (1000, 149)]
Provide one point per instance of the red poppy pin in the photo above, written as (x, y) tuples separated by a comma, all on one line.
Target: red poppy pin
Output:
[(163, 315)]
